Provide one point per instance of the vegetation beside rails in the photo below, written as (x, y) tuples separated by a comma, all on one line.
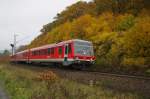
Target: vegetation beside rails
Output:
[(26, 84), (120, 70)]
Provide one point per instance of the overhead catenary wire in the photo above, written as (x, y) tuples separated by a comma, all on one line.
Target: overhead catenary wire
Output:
[(16, 42)]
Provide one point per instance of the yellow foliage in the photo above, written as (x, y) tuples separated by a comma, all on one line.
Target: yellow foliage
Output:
[(115, 37), (137, 40), (79, 26), (140, 61)]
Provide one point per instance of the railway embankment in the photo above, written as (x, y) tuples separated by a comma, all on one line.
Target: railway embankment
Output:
[(119, 84), (115, 82), (34, 82)]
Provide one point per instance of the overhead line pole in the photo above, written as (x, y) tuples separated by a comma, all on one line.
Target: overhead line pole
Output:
[(15, 36), (15, 43)]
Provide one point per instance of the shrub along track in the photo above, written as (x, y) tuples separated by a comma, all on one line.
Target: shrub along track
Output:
[(114, 82)]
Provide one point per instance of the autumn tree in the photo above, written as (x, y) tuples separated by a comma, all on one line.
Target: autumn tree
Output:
[(137, 42), (119, 30)]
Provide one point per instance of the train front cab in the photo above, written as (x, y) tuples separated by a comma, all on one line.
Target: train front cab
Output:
[(78, 52)]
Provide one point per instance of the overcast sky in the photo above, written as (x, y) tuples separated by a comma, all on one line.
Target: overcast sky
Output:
[(26, 17)]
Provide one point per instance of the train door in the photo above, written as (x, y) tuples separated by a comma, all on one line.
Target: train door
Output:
[(66, 53), (70, 50)]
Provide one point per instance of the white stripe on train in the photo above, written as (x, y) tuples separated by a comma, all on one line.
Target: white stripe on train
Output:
[(50, 60)]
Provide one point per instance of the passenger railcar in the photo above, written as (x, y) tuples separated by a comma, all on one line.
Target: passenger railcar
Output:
[(66, 53)]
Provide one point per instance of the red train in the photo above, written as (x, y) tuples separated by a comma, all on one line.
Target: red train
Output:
[(65, 53)]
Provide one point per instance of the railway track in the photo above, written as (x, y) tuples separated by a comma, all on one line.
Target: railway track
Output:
[(117, 82), (120, 75), (45, 67)]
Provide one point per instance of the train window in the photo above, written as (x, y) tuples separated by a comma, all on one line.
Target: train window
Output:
[(39, 52), (60, 50), (52, 51), (45, 52), (42, 52), (49, 50), (32, 53), (35, 53)]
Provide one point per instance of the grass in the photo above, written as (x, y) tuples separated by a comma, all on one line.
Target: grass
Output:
[(26, 84)]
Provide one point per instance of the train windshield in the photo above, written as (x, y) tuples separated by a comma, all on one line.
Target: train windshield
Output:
[(83, 48)]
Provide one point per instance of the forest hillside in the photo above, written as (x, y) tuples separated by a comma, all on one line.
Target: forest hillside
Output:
[(119, 30)]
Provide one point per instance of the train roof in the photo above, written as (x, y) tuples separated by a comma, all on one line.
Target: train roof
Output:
[(54, 44), (58, 44), (21, 52)]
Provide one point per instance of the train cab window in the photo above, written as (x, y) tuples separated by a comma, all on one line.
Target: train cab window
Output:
[(48, 51), (60, 50)]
